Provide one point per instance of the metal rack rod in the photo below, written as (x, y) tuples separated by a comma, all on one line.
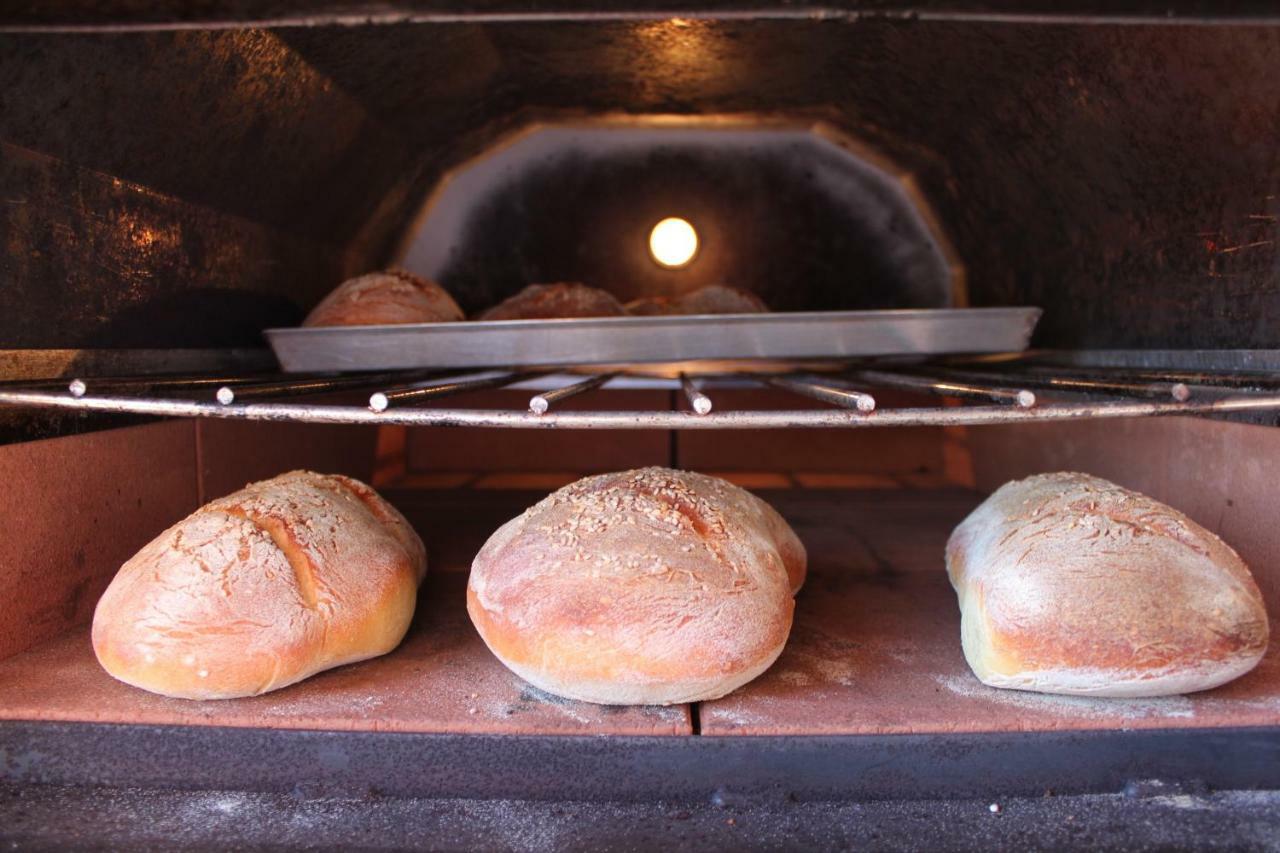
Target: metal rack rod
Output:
[(80, 386), (698, 401), (1007, 385), (1177, 390), (58, 383), (380, 401), (228, 394), (539, 403), (810, 418), (1022, 397), (1242, 379), (845, 397)]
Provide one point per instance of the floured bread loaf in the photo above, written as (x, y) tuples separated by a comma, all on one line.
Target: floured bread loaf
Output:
[(1071, 584), (553, 301), (641, 587), (262, 588), (383, 298)]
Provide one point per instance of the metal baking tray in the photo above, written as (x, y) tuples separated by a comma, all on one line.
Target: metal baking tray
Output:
[(633, 340)]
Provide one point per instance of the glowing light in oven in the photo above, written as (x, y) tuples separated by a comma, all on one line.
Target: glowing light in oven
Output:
[(673, 242)]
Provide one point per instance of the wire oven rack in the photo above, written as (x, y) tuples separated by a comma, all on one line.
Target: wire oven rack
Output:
[(987, 393)]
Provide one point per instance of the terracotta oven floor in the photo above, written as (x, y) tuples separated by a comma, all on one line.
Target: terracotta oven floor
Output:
[(875, 649)]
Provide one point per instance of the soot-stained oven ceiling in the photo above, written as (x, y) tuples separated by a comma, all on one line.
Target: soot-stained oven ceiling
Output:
[(188, 187)]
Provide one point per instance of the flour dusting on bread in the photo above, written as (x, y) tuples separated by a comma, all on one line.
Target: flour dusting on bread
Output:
[(642, 586), (1071, 584)]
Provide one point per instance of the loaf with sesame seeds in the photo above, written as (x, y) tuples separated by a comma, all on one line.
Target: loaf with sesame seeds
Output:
[(1068, 583), (261, 589), (641, 587)]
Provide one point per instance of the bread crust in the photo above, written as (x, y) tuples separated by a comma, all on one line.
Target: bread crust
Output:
[(385, 298), (650, 586), (711, 299), (1068, 583), (260, 589), (555, 301)]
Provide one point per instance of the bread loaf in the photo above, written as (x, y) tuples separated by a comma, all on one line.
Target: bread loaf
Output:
[(712, 299), (381, 298), (553, 301), (1071, 584), (641, 587), (262, 588)]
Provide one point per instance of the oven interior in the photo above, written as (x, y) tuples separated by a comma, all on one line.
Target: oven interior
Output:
[(172, 188)]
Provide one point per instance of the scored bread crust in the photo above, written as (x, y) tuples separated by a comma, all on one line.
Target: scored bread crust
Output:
[(650, 586), (1068, 583), (385, 298), (262, 588), (554, 301)]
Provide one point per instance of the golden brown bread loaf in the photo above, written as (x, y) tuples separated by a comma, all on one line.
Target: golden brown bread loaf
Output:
[(379, 298), (640, 587), (555, 301), (262, 588), (712, 299), (1071, 584)]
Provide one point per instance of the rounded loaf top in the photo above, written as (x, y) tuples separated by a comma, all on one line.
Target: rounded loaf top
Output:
[(385, 298), (556, 301), (644, 586), (260, 589), (1069, 583)]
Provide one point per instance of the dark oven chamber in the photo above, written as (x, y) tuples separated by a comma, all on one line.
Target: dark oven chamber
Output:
[(173, 185)]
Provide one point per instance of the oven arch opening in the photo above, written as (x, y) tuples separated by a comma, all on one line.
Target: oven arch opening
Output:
[(800, 213)]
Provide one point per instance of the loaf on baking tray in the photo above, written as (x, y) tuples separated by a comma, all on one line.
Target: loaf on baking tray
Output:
[(385, 298), (554, 301), (641, 587), (1071, 584), (262, 588), (712, 299)]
